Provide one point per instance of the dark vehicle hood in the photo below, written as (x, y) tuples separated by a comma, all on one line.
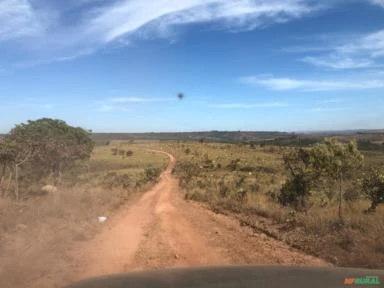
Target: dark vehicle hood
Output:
[(243, 276)]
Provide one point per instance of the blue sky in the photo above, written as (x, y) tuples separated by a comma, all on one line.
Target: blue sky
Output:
[(117, 65)]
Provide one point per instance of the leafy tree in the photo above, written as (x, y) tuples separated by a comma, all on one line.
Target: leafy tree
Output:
[(373, 187), (47, 146), (337, 162), (332, 161), (54, 144), (300, 164)]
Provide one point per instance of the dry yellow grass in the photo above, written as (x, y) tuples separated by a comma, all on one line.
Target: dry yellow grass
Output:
[(358, 242), (36, 234)]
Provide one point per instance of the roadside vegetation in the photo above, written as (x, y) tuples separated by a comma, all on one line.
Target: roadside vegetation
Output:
[(54, 184), (324, 198)]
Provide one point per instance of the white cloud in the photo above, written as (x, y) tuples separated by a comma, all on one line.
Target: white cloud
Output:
[(332, 100), (313, 85), (127, 16), (338, 62), (111, 108), (18, 19), (53, 32), (371, 45), (377, 2), (328, 109), (250, 105), (139, 99), (125, 104), (353, 52)]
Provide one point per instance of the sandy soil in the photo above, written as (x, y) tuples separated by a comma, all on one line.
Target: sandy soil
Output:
[(161, 230)]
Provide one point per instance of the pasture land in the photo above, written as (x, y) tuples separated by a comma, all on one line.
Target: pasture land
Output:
[(58, 221), (245, 180)]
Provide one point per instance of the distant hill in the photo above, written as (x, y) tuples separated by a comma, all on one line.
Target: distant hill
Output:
[(370, 140), (211, 136)]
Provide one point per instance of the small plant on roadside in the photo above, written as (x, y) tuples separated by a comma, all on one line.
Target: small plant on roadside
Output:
[(241, 195), (233, 165), (152, 174), (224, 190)]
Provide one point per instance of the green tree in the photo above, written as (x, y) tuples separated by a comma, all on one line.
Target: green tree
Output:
[(332, 161), (300, 163), (336, 162), (47, 146), (373, 188)]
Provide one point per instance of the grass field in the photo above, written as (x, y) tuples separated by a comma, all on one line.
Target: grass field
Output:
[(57, 221), (244, 180), (241, 180)]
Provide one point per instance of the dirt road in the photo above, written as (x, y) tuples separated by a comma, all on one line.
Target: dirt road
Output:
[(162, 230)]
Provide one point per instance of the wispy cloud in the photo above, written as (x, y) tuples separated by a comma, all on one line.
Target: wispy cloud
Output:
[(110, 108), (127, 16), (338, 62), (51, 26), (18, 19), (332, 100), (250, 105), (349, 52), (282, 84), (103, 22), (139, 99), (377, 2), (125, 104), (48, 106), (328, 109)]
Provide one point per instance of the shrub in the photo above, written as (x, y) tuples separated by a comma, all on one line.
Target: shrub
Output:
[(187, 171), (351, 194), (233, 164), (255, 187), (241, 195), (114, 180), (152, 174), (295, 192), (224, 190), (373, 188)]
